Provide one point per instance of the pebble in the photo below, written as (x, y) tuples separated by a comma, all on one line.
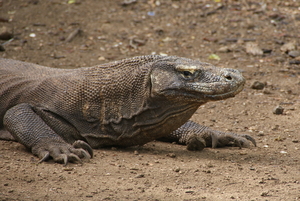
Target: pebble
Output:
[(258, 85), (177, 169), (279, 59), (224, 49), (32, 35), (101, 58), (294, 62), (265, 194), (294, 53), (68, 169), (278, 110), (254, 49), (171, 155), (140, 176), (288, 47), (267, 51), (260, 133), (266, 91), (128, 2)]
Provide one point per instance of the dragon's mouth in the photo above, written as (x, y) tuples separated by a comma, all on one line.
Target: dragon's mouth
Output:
[(215, 90), (203, 94), (227, 94), (206, 92)]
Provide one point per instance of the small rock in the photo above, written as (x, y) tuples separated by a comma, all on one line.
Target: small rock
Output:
[(264, 194), (134, 168), (32, 35), (294, 53), (128, 2), (266, 91), (167, 39), (258, 85), (275, 128), (278, 110), (260, 133), (279, 42), (279, 138), (254, 49), (295, 62), (267, 51), (140, 176), (224, 49), (139, 42), (101, 58), (68, 169), (279, 60), (177, 169), (288, 47), (243, 153), (171, 155), (295, 141)]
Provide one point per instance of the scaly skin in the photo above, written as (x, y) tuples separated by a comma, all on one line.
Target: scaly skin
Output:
[(63, 113)]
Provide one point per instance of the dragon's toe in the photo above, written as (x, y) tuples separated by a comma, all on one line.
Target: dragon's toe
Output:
[(88, 151), (248, 137), (63, 152), (195, 143)]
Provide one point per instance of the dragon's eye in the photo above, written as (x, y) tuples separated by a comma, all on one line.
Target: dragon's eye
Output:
[(187, 74), (188, 71)]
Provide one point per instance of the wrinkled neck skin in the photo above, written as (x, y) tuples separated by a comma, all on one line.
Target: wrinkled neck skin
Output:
[(162, 116), (158, 118)]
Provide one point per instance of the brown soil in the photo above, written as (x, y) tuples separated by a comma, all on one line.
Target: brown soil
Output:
[(194, 29)]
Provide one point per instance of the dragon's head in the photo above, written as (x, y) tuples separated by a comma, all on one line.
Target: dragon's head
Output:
[(194, 80)]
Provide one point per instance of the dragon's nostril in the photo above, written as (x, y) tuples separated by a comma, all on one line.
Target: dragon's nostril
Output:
[(228, 77)]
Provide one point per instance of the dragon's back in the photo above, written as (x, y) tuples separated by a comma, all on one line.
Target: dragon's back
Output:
[(19, 78)]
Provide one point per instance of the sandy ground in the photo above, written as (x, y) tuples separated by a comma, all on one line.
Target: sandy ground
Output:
[(256, 37)]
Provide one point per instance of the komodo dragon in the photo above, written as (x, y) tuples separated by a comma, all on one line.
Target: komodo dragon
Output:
[(64, 113)]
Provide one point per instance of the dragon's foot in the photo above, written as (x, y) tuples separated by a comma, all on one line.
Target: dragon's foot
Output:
[(62, 152), (221, 139), (195, 143)]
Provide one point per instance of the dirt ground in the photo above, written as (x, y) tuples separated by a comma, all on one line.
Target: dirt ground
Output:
[(260, 38)]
